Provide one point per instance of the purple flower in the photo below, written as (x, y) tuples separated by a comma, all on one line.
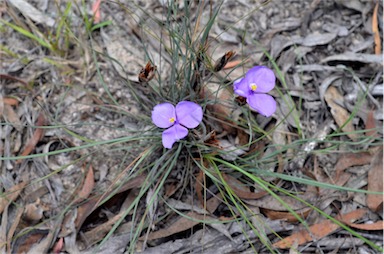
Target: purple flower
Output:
[(186, 115), (257, 82)]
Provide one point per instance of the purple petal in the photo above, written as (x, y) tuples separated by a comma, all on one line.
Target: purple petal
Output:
[(173, 134), (241, 87), (263, 77), (262, 103), (162, 114), (189, 114), (236, 83)]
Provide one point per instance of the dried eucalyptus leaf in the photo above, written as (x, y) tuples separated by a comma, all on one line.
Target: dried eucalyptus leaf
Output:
[(315, 39), (355, 57)]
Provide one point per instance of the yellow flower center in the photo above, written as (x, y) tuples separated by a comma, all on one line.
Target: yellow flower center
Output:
[(253, 87), (172, 120)]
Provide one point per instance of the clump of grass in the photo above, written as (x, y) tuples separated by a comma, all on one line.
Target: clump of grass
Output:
[(192, 69)]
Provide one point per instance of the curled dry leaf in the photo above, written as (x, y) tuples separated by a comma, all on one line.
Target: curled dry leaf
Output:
[(229, 151), (342, 117), (32, 239), (147, 72), (222, 62), (34, 211)]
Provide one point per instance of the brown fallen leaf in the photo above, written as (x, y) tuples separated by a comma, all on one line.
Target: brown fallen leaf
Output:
[(37, 135), (182, 224), (271, 203), (98, 233), (15, 224), (96, 11), (340, 114), (232, 64), (85, 209), (58, 247), (319, 230), (10, 195), (351, 159), (240, 190), (32, 237), (370, 124), (375, 181), (375, 30), (185, 222), (200, 182), (11, 116), (222, 62), (88, 185), (378, 225), (34, 211), (10, 101), (286, 216), (6, 76)]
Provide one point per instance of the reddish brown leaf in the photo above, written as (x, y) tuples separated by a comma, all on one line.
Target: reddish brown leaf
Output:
[(147, 72), (378, 225), (370, 124), (37, 135), (375, 30), (58, 247), (278, 215), (96, 11), (10, 101), (232, 64), (219, 65), (375, 181), (170, 189), (318, 230), (88, 185)]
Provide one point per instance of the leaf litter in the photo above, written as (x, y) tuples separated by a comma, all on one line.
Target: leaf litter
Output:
[(313, 53)]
